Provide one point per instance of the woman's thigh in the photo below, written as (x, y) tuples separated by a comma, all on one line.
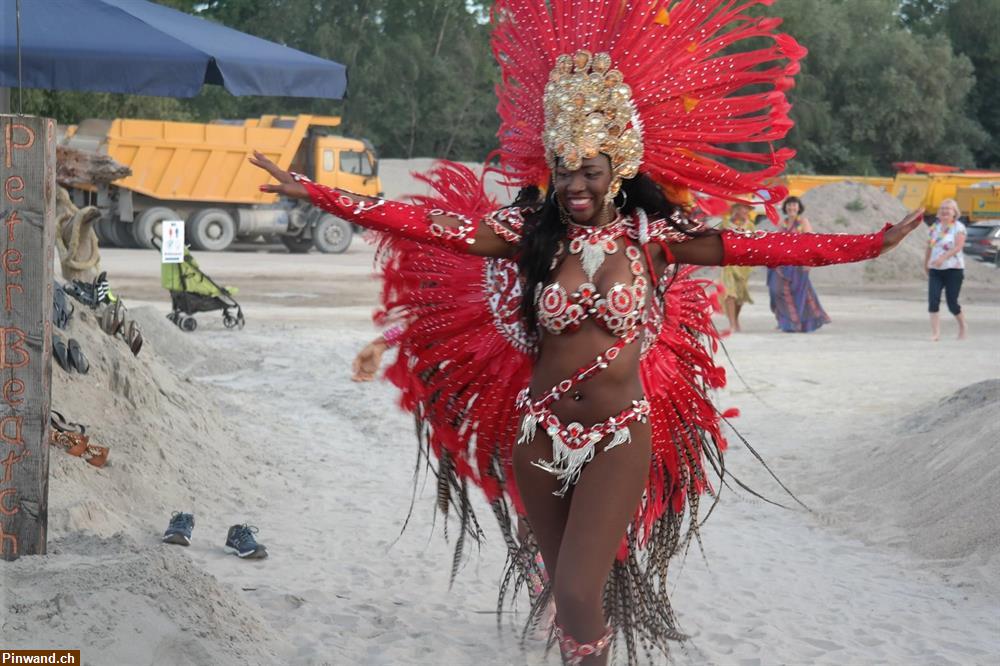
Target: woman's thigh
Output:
[(547, 513), (602, 506)]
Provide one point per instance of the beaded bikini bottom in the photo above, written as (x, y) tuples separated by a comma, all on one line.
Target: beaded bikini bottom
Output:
[(573, 444)]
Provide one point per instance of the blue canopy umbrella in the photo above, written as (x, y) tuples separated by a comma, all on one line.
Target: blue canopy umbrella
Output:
[(138, 47)]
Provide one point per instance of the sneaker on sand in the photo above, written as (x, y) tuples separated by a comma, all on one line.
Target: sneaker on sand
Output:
[(179, 530), (240, 541)]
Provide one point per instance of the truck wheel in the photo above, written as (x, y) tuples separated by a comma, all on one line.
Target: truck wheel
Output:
[(149, 225), (332, 235), (211, 229), (102, 228), (121, 234), (297, 244)]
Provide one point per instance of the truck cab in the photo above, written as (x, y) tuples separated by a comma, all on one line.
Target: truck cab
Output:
[(348, 164)]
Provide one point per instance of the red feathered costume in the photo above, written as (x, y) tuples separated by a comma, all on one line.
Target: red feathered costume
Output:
[(691, 89)]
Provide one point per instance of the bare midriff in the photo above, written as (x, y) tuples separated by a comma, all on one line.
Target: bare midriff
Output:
[(606, 393), (586, 393)]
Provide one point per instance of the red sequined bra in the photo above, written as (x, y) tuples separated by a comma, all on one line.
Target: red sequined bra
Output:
[(624, 306), (619, 311)]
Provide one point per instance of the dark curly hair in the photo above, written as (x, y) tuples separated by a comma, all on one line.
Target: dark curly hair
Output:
[(788, 200), (543, 230)]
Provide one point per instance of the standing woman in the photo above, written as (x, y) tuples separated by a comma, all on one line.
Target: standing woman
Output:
[(944, 265), (793, 299), (548, 354), (736, 279)]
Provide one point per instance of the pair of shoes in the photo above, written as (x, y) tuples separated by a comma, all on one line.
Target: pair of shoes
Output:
[(78, 444), (93, 293), (240, 539), (114, 321), (69, 356)]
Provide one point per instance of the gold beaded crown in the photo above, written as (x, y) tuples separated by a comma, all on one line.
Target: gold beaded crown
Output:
[(589, 111)]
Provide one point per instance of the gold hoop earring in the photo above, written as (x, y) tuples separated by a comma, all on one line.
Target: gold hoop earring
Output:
[(564, 215)]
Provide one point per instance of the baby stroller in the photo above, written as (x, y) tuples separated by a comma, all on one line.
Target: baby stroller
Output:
[(192, 291)]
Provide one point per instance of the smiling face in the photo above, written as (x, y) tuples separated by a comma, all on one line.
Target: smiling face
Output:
[(791, 208), (582, 192), (947, 212)]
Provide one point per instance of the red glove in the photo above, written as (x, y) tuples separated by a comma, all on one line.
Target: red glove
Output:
[(391, 217), (780, 248)]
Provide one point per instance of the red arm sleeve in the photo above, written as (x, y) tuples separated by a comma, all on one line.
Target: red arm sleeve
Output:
[(759, 248), (414, 223)]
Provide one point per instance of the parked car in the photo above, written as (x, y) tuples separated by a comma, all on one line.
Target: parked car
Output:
[(983, 240)]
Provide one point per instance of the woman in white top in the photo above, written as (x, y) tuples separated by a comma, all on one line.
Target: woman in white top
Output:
[(945, 266)]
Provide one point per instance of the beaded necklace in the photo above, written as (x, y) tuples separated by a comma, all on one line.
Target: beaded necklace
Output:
[(594, 243)]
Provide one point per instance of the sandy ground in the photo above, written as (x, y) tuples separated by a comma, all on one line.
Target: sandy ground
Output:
[(896, 564)]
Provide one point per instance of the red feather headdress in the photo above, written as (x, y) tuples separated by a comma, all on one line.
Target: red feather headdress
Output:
[(707, 82)]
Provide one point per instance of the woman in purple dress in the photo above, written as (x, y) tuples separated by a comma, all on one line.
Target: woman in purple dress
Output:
[(793, 299)]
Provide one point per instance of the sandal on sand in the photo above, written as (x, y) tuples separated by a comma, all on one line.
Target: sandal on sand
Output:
[(134, 337), (60, 423), (60, 353), (118, 313), (77, 444), (73, 443), (76, 357), (106, 319), (112, 318), (82, 292), (62, 309)]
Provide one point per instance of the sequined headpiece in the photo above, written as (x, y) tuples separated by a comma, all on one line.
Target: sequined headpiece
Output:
[(707, 79), (589, 111)]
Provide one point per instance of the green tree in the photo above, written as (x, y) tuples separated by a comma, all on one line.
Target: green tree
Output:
[(427, 89), (872, 92), (923, 16), (974, 29)]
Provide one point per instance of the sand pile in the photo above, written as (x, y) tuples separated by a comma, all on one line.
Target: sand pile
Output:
[(932, 483), (107, 583), (130, 605)]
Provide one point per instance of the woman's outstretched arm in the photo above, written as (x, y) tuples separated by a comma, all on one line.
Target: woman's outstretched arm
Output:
[(734, 248), (441, 228)]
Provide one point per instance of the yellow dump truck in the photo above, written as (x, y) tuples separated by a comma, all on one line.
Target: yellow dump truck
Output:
[(977, 193), (980, 201), (199, 172), (930, 189)]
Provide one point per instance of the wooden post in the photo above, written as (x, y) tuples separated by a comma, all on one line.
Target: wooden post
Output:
[(27, 228)]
